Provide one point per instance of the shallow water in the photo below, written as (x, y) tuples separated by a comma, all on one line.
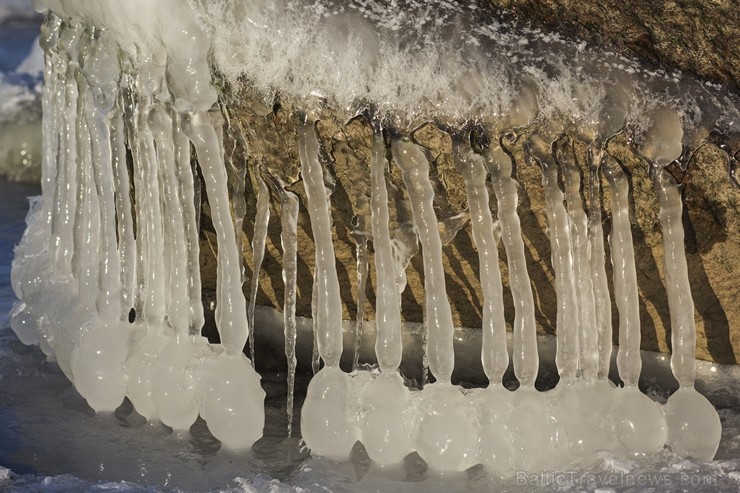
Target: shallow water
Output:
[(50, 440)]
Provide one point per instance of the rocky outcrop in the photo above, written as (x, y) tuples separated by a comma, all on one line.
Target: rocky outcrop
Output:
[(693, 35), (262, 142)]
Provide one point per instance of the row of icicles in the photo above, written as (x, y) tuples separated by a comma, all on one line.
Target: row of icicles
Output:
[(90, 255)]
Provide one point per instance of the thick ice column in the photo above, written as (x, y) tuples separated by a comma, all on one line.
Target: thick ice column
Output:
[(639, 424), (680, 302), (443, 447), (175, 248), (328, 309), (186, 181), (173, 392), (51, 104), (87, 228), (388, 343), (629, 362), (101, 70), (150, 299), (232, 400), (98, 359), (694, 428), (495, 356), (562, 260), (62, 226), (383, 430), (232, 317), (603, 305), (495, 439), (525, 355), (438, 315), (326, 423), (585, 305)]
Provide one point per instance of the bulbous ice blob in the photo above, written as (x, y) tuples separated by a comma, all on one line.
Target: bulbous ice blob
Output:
[(232, 402), (639, 422), (539, 434), (382, 430), (98, 364), (663, 141), (585, 411), (174, 387), (24, 321), (140, 369), (447, 438), (326, 425), (694, 428), (495, 441), (65, 335)]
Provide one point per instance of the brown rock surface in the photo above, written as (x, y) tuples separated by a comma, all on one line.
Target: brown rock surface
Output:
[(711, 220), (700, 36)]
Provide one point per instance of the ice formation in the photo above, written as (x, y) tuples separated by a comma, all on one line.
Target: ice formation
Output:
[(108, 281)]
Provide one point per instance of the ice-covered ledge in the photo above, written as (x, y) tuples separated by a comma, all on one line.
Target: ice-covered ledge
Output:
[(109, 281), (710, 216)]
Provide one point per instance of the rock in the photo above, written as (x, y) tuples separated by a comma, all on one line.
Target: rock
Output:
[(266, 144), (701, 37)]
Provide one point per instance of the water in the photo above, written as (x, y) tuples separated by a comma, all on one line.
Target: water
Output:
[(20, 93)]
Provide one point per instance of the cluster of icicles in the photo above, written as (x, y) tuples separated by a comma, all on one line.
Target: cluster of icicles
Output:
[(91, 257)]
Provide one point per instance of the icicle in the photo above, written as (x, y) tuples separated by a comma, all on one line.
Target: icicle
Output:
[(494, 405), (86, 236), (441, 446), (325, 421), (629, 362), (97, 361), (232, 318), (362, 273), (232, 401), (680, 302), (173, 392), (383, 431), (415, 168), (560, 245), (639, 424), (52, 101), (261, 220), (124, 212), (64, 194), (585, 305), (693, 426), (602, 300), (289, 242), (525, 355), (388, 343), (328, 311), (150, 290), (191, 214), (494, 355)]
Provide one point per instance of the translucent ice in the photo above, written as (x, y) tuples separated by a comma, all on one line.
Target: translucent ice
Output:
[(447, 437), (694, 429), (326, 421)]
